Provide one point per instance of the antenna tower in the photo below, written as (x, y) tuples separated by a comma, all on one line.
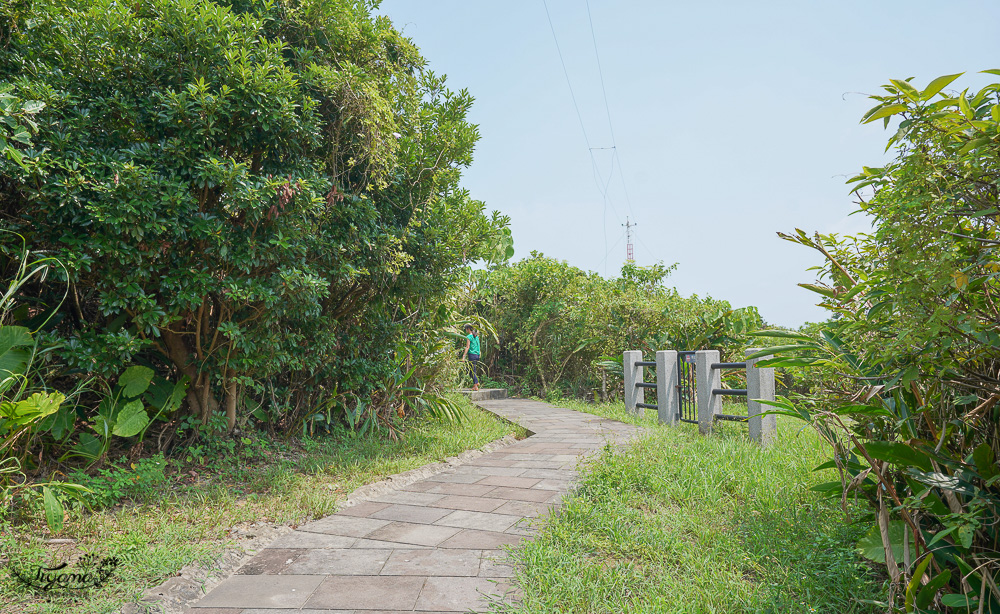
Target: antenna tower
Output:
[(629, 255)]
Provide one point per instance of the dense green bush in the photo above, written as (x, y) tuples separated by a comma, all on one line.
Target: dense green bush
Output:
[(556, 321), (259, 198), (908, 363)]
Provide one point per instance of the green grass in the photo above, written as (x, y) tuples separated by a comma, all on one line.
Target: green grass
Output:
[(682, 523), (188, 518)]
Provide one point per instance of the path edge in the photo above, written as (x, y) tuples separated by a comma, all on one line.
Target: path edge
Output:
[(194, 581)]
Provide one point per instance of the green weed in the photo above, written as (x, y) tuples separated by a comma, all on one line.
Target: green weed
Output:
[(682, 523)]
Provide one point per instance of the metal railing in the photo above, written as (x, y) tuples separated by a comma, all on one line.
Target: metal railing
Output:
[(687, 390), (731, 392)]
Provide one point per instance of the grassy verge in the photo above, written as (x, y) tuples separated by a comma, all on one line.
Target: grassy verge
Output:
[(190, 515), (682, 523)]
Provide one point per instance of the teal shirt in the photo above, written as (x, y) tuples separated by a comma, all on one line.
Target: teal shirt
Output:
[(473, 344)]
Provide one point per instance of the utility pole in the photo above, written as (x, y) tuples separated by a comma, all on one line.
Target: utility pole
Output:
[(629, 254)]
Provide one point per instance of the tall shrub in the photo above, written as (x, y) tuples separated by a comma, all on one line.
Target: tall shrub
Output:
[(555, 320), (259, 195), (911, 355)]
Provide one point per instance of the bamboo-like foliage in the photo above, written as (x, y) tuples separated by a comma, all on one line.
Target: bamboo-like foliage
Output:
[(910, 361)]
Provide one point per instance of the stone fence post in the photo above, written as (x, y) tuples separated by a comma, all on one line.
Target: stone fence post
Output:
[(633, 375), (667, 400), (760, 385), (708, 378)]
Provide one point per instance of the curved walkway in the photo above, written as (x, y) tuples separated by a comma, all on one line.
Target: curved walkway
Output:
[(434, 546)]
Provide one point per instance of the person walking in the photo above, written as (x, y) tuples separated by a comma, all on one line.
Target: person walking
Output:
[(471, 353)]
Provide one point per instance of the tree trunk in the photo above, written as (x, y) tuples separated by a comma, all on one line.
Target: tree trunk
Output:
[(231, 391), (199, 393)]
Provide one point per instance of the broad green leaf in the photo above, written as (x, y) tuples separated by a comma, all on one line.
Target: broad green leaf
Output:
[(62, 426), (898, 453), (177, 394), (884, 112), (982, 456), (131, 419), (966, 533), (963, 106), (942, 534), (33, 409), (878, 308), (21, 135), (13, 357), (911, 588), (870, 546), (828, 488), (943, 481), (33, 106), (937, 85), (782, 334), (135, 380), (89, 446), (103, 425), (53, 510), (256, 409), (960, 602), (974, 144), (906, 89)]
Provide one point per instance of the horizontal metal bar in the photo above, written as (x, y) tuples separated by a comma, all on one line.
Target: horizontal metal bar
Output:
[(645, 363), (729, 365), (730, 392), (688, 421), (644, 385), (647, 406), (730, 418), (686, 353)]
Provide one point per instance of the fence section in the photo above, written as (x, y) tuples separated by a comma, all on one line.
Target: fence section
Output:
[(689, 389)]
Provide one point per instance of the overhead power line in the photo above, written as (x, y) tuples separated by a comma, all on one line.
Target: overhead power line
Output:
[(603, 185), (600, 72), (607, 110), (566, 74)]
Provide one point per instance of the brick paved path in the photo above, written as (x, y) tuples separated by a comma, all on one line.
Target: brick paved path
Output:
[(434, 546)]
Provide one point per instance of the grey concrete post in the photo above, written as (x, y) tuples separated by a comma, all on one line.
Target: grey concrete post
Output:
[(633, 375), (708, 378), (760, 385), (666, 387)]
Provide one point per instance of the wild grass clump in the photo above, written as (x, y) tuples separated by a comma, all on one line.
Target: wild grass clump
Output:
[(679, 523)]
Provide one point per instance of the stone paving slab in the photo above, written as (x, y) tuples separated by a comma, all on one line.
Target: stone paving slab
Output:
[(435, 546)]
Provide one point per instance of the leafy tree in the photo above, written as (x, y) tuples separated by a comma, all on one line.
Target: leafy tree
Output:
[(16, 125), (260, 196), (911, 353), (555, 320)]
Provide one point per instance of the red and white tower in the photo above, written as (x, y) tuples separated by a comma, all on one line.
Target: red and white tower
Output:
[(629, 255)]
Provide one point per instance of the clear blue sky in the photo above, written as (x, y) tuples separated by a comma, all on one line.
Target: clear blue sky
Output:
[(732, 120)]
